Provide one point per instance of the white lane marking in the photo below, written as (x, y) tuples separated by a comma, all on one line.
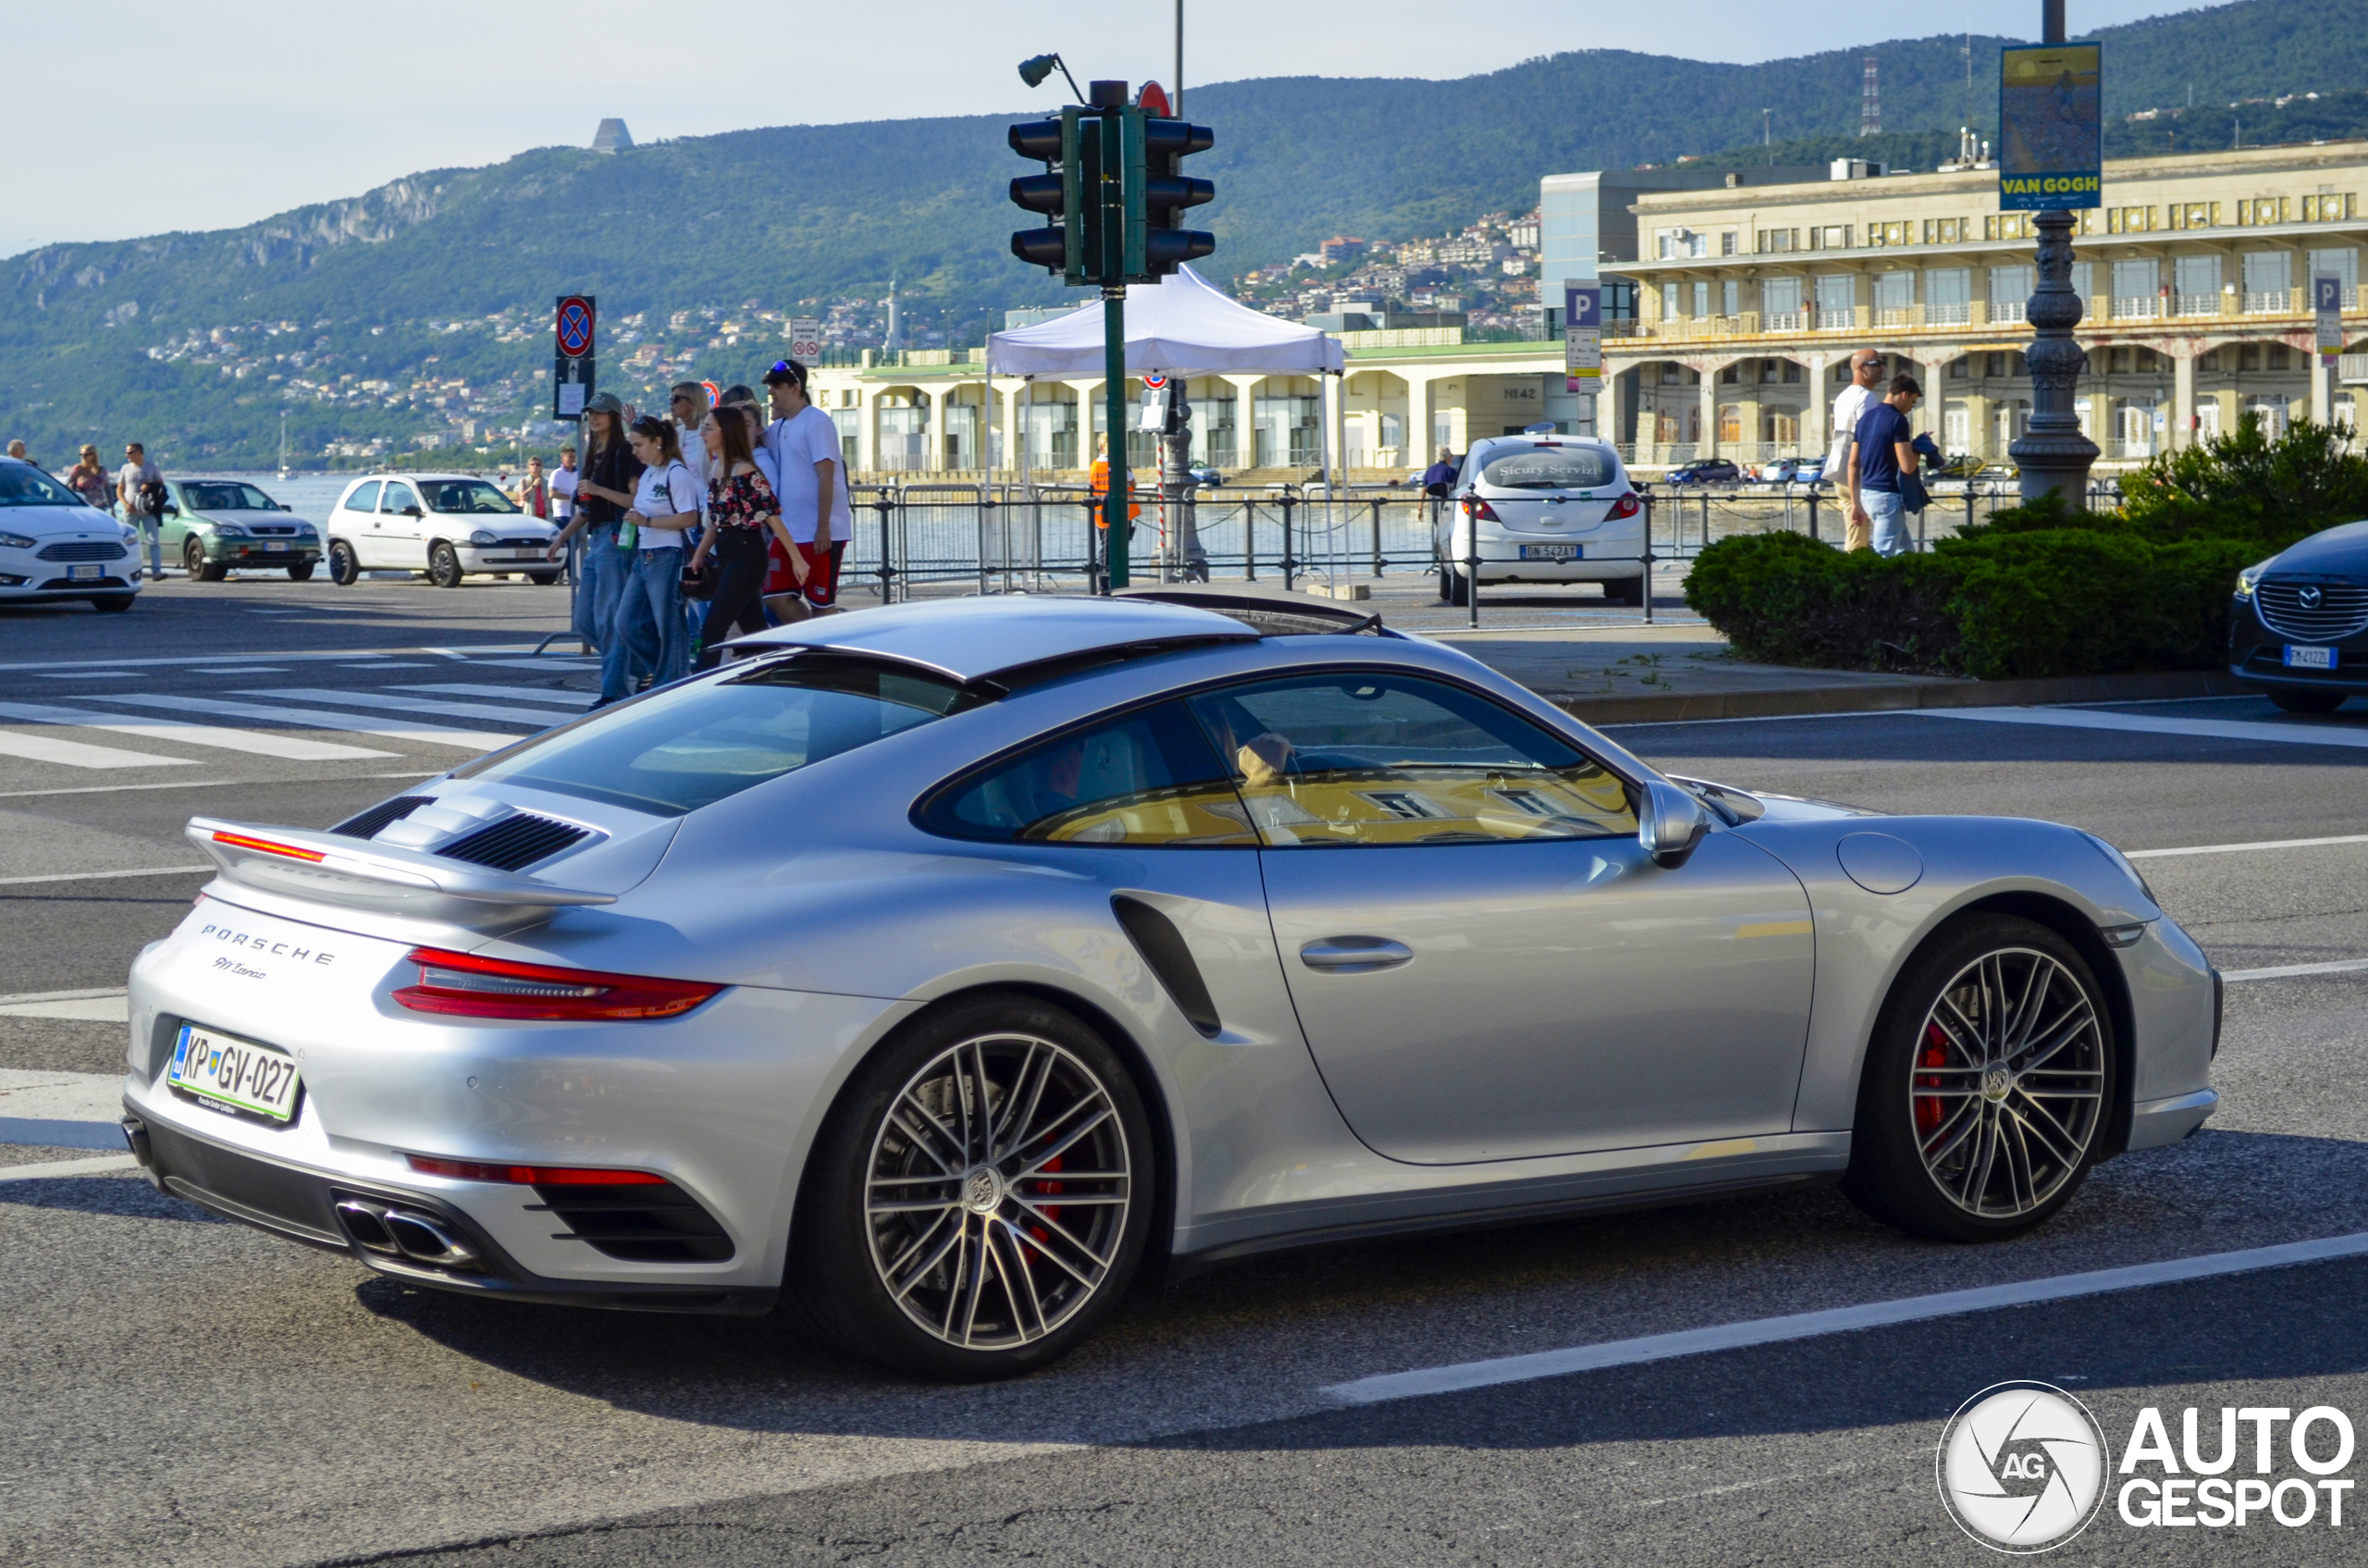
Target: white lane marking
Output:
[(562, 661), (319, 719), (192, 783), (214, 670), (50, 1170), (2287, 971), (97, 676), (90, 1009), (260, 743), (247, 654), (2235, 848), (2141, 723), (513, 693), (1836, 1320), (391, 664), (75, 754), (399, 704), (61, 1110), (105, 876), (82, 995), (444, 653)]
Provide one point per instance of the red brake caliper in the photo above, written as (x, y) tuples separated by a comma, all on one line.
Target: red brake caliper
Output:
[(1045, 1189), (1934, 1054)]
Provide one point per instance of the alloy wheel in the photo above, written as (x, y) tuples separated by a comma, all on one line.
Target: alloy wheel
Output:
[(2007, 1089), (997, 1194)]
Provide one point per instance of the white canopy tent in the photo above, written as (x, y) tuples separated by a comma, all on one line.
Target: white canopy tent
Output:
[(1180, 325)]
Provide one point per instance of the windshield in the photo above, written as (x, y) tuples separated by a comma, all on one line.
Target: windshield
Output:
[(463, 495), (1548, 468), (226, 497), (22, 485), (678, 750)]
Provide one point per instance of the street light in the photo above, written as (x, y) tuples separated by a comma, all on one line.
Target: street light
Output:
[(1036, 68)]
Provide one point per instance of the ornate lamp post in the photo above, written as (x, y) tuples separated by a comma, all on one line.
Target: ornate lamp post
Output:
[(2052, 455)]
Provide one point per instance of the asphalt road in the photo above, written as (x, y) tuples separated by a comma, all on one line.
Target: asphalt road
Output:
[(180, 1390)]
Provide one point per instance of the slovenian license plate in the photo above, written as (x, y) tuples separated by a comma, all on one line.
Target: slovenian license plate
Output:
[(228, 1073), (2309, 657), (85, 574), (1552, 552)]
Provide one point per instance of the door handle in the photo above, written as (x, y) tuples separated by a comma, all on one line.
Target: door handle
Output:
[(1354, 955)]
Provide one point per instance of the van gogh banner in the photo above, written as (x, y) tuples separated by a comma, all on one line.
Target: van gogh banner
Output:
[(2051, 140)]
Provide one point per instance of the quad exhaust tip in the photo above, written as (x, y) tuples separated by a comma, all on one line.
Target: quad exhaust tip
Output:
[(393, 1231)]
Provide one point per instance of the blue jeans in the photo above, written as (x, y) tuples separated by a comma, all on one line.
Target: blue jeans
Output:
[(599, 576), (648, 630), (1890, 518)]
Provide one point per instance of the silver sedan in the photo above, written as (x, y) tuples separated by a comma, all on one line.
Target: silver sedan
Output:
[(947, 968)]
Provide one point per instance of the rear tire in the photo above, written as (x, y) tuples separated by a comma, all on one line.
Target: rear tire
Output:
[(443, 565), (985, 1272), (1629, 591), (1454, 586), (200, 570), (344, 570), (542, 579), (112, 604), (1987, 1085), (2303, 701), (299, 570)]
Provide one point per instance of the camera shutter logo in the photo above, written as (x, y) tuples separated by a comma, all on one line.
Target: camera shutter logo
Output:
[(2022, 1467)]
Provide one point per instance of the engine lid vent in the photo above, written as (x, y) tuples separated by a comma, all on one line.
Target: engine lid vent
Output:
[(515, 842), (367, 823)]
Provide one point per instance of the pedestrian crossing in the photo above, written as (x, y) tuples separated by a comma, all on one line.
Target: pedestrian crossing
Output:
[(356, 712)]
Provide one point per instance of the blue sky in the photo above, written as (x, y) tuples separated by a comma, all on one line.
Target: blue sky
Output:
[(137, 117)]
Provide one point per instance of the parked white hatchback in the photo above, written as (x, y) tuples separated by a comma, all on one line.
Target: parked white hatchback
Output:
[(54, 546), (448, 525), (1542, 508)]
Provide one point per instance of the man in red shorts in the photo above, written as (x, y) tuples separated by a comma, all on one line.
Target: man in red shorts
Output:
[(803, 442)]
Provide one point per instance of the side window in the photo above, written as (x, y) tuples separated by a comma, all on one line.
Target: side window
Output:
[(399, 495), (1148, 778), (1382, 760), (365, 497)]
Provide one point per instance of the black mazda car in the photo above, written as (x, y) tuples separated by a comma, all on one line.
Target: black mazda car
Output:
[(2299, 628)]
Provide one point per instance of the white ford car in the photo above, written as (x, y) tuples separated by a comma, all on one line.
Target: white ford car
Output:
[(448, 525), (1542, 508), (54, 546)]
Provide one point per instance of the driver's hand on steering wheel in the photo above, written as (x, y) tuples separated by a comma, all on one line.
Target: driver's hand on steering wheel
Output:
[(1266, 759)]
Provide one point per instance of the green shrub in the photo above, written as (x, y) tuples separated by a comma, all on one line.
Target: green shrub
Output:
[(2244, 485), (1785, 598)]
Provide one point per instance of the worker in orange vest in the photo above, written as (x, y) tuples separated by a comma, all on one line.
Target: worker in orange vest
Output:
[(1101, 485)]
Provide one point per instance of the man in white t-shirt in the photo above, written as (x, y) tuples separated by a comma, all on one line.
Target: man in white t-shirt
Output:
[(562, 489), (804, 444), (1866, 375)]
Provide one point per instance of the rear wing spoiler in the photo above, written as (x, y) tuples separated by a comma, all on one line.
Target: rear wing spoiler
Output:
[(327, 868)]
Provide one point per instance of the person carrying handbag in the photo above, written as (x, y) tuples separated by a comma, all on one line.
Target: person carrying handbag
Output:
[(741, 509), (650, 624)]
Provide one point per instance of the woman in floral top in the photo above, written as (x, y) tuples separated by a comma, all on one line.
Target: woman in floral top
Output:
[(740, 507)]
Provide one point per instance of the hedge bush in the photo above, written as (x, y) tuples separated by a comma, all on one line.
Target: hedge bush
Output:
[(2043, 589)]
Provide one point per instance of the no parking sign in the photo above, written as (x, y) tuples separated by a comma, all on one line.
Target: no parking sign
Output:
[(572, 323)]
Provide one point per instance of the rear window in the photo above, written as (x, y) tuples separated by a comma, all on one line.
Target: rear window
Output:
[(678, 750), (1548, 468)]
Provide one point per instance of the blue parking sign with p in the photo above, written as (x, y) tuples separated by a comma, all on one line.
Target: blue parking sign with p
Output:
[(1582, 304)]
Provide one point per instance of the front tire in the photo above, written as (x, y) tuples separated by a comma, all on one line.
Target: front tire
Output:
[(299, 570), (443, 565), (2291, 699), (112, 604), (542, 579), (1986, 1086), (200, 570), (344, 570), (980, 1200)]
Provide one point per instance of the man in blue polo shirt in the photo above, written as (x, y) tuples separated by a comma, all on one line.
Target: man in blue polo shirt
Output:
[(1880, 454)]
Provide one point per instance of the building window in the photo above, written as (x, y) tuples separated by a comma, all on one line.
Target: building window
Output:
[(1772, 239), (1944, 230), (2277, 356), (1993, 364), (2006, 226), (1727, 242), (1731, 291), (1701, 299), (2327, 209), (2208, 360), (2345, 264), (1732, 375), (1837, 297), (1948, 296), (1899, 233), (1669, 302), (1780, 296), (1791, 370), (2119, 361), (1895, 298)]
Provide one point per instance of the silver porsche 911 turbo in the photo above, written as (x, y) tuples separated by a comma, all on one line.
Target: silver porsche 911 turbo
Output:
[(948, 967)]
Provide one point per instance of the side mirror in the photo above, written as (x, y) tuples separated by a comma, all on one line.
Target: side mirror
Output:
[(1671, 825), (169, 510), (284, 507), (411, 512)]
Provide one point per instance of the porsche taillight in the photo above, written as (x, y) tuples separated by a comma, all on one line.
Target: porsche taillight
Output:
[(472, 986)]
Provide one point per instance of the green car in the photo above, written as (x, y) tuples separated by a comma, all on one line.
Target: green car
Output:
[(215, 524)]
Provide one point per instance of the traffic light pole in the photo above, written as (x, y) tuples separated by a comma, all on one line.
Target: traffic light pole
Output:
[(1113, 374)]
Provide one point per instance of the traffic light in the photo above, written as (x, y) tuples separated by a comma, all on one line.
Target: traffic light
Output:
[(1054, 193), (1157, 192)]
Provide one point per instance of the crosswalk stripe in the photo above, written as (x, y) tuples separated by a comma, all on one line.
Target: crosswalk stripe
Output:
[(401, 704), (320, 718), (261, 744), (514, 693), (75, 754), (2148, 723), (556, 662)]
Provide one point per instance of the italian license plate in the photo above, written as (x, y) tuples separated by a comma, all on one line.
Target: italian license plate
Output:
[(274, 544), (228, 1073), (85, 574), (2309, 657), (1552, 552)]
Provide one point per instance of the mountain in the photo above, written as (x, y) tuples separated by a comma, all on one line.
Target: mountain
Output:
[(438, 286)]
